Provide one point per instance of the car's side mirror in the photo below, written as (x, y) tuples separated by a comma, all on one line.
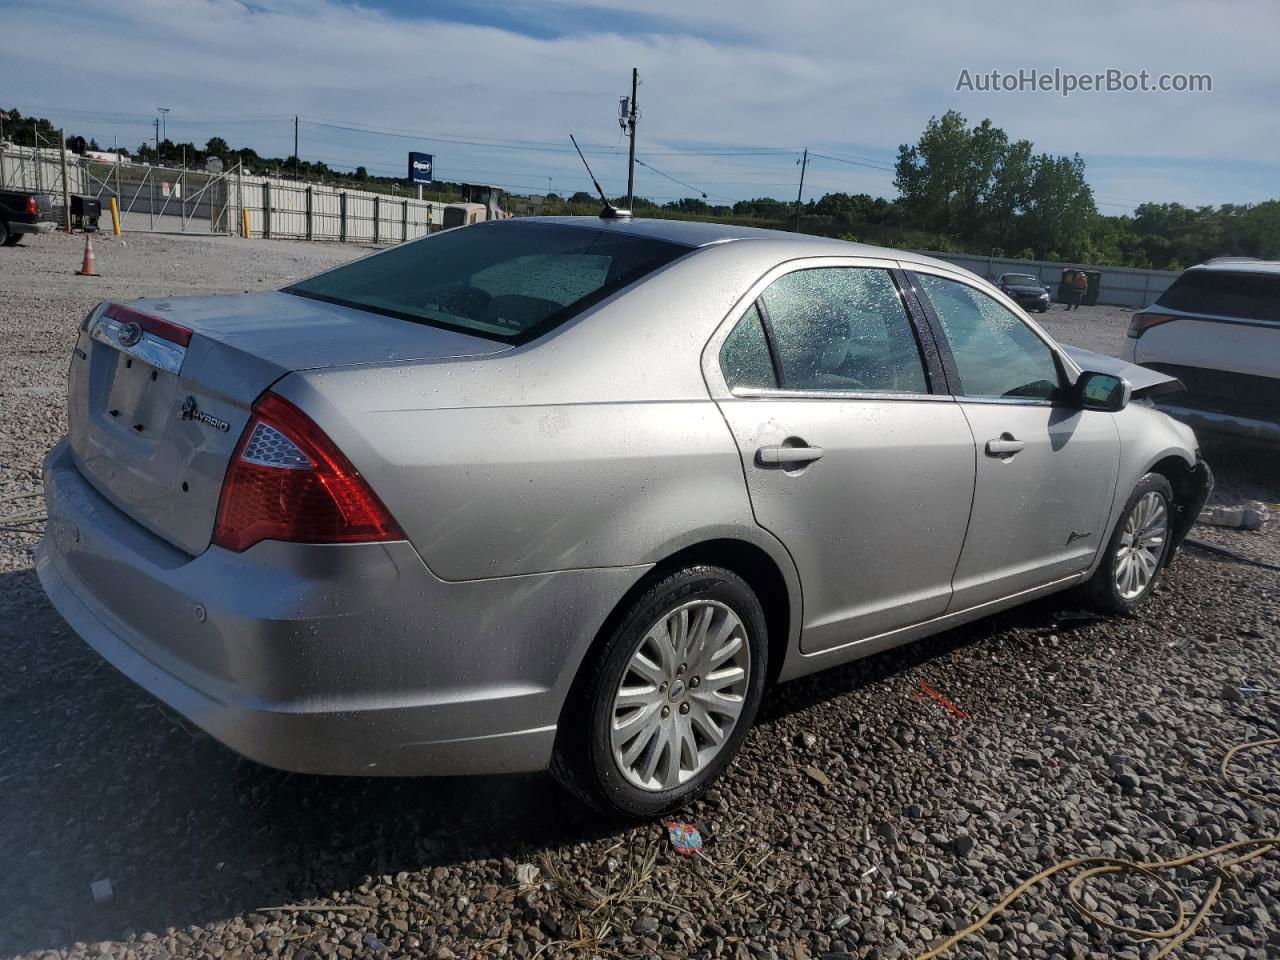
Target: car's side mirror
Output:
[(1102, 391)]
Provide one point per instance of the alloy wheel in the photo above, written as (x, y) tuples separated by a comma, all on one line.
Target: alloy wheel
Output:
[(680, 695), (1141, 545)]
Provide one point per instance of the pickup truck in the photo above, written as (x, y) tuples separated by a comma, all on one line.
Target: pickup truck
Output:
[(23, 212)]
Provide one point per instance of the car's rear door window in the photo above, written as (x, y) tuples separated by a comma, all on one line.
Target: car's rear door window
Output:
[(996, 354), (509, 281), (843, 329), (745, 360), (1223, 293)]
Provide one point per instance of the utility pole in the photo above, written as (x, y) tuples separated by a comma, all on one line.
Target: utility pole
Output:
[(629, 122), (156, 121), (295, 150), (804, 163)]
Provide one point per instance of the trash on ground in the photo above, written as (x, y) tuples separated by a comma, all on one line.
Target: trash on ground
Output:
[(685, 838), (373, 943), (101, 890), (1078, 615), (928, 690), (526, 874), (1246, 516)]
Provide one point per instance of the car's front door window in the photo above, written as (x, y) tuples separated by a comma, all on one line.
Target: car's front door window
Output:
[(996, 354)]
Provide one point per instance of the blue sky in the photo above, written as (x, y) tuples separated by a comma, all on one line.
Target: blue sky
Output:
[(731, 91)]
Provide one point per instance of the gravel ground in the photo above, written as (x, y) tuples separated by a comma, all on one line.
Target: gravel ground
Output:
[(862, 820), (1100, 329)]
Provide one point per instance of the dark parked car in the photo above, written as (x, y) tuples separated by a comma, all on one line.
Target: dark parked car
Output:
[(1025, 290), (23, 212)]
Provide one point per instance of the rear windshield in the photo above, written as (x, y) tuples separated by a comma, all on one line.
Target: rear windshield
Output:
[(1248, 296), (509, 281)]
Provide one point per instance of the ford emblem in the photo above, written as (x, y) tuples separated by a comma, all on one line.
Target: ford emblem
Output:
[(129, 334)]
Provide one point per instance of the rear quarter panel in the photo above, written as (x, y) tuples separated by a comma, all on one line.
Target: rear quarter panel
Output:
[(597, 445)]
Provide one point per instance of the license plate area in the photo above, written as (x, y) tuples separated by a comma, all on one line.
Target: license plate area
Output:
[(139, 396), (142, 370)]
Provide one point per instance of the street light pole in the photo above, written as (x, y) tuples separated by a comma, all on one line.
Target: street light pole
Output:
[(162, 128)]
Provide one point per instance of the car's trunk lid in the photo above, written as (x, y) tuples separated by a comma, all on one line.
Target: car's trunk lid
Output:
[(154, 420)]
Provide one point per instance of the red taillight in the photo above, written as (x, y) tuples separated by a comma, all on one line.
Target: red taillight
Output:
[(1141, 322), (287, 481), (157, 326), (32, 207)]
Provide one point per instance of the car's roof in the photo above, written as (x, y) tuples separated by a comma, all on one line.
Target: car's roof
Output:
[(699, 233), (1239, 265)]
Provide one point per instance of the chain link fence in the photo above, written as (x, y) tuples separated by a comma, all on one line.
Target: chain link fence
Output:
[(234, 202)]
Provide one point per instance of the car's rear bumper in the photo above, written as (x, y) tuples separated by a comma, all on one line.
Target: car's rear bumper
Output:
[(40, 226), (342, 659)]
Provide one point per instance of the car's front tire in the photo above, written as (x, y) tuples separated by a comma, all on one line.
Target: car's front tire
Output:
[(1136, 554), (663, 702)]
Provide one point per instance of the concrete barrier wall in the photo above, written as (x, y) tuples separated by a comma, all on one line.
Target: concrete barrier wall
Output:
[(1118, 286)]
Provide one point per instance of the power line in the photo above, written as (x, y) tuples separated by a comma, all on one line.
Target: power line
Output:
[(854, 163), (649, 166)]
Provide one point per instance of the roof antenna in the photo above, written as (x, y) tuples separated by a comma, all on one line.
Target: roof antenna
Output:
[(610, 212)]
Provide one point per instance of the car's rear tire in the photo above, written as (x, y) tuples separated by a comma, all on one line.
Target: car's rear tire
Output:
[(7, 239), (1135, 556), (663, 702)]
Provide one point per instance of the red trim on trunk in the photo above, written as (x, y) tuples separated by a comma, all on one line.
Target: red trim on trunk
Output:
[(156, 326)]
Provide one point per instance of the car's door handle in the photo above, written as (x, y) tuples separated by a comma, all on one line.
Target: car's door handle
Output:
[(773, 455), (1004, 446)]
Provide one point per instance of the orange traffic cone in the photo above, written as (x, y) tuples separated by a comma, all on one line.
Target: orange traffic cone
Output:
[(90, 266)]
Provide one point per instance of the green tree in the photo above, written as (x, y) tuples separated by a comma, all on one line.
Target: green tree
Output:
[(1059, 206), (930, 176)]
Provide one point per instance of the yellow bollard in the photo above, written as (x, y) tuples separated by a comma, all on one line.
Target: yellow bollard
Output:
[(115, 217), (244, 223)]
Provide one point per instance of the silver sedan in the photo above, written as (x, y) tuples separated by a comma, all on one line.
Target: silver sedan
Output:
[(572, 493)]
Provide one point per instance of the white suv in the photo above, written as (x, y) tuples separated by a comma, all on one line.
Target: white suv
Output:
[(1217, 329)]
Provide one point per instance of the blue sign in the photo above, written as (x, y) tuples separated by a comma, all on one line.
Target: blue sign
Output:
[(420, 165)]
